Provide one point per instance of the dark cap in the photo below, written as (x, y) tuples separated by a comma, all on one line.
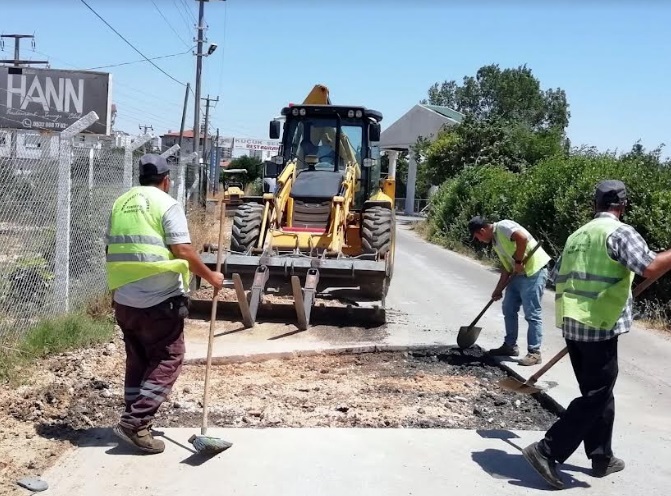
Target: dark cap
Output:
[(476, 223), (153, 165), (610, 192)]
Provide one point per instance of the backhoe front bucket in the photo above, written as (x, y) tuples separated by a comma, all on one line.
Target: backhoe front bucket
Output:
[(285, 274)]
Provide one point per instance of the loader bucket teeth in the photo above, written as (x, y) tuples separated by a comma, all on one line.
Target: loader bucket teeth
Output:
[(304, 298), (251, 308)]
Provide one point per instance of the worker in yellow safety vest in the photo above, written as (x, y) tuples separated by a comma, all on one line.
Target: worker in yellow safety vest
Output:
[(593, 306), (149, 261), (512, 243)]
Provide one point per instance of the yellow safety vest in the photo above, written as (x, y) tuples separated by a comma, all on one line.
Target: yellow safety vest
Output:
[(136, 247), (591, 287), (505, 249)]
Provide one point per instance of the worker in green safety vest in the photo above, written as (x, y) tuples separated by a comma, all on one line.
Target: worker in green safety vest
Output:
[(593, 306), (149, 261), (512, 243)]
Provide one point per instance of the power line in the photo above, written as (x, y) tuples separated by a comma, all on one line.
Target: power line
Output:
[(116, 83), (181, 14), (189, 11), (139, 61), (129, 43), (223, 51), (17, 44), (170, 25)]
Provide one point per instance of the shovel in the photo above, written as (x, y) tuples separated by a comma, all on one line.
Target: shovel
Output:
[(468, 335), (528, 387)]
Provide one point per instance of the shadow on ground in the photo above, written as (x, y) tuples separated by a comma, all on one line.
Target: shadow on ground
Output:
[(514, 467)]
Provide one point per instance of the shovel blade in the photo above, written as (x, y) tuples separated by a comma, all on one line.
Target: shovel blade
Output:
[(467, 336), (516, 386)]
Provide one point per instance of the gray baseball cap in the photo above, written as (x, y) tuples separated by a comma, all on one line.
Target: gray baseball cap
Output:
[(152, 164), (610, 192)]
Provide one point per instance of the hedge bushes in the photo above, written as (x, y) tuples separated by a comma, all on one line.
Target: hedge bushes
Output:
[(553, 198)]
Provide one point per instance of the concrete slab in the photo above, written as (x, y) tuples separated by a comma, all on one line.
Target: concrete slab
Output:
[(433, 293), (330, 462)]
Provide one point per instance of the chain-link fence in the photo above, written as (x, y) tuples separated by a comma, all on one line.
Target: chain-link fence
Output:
[(56, 192)]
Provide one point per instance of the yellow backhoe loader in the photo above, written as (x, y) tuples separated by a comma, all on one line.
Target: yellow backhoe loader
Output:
[(329, 224), (233, 189)]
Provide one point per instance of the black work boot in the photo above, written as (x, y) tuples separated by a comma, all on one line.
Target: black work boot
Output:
[(546, 467), (505, 350), (141, 439), (603, 466)]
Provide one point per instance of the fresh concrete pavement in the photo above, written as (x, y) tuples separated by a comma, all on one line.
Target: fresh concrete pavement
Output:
[(434, 291)]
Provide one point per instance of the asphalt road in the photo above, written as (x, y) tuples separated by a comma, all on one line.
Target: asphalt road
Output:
[(434, 291)]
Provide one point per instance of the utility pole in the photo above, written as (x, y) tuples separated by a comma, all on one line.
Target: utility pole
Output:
[(199, 70), (206, 152), (217, 160), (17, 62), (208, 101)]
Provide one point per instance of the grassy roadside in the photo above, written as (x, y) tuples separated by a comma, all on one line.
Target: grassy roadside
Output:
[(93, 325), (652, 314)]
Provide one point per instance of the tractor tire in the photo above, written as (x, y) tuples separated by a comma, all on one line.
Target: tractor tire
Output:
[(377, 230), (378, 233), (246, 227)]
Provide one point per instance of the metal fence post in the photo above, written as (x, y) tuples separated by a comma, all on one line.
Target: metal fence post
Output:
[(181, 178), (174, 169), (62, 258), (128, 159), (170, 151), (89, 198)]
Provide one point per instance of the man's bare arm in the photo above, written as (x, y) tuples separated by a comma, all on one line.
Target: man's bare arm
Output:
[(660, 265), (521, 241), (196, 265)]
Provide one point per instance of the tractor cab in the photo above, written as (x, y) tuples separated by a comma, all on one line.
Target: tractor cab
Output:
[(332, 151), (233, 180)]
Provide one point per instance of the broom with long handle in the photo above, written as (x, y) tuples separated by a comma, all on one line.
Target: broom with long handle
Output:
[(206, 444)]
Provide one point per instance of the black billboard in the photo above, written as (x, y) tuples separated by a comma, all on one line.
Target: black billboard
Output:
[(53, 99)]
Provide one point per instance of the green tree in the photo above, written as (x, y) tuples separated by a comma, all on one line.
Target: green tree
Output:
[(512, 95), (509, 122)]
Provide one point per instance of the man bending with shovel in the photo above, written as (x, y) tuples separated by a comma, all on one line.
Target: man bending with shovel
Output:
[(593, 307), (513, 243)]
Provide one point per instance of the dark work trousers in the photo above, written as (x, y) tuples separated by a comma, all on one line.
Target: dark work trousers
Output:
[(589, 418), (154, 339)]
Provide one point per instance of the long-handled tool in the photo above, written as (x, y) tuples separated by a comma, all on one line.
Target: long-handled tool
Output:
[(208, 445), (468, 335), (529, 387)]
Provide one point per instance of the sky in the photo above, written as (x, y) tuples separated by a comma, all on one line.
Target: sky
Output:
[(611, 57)]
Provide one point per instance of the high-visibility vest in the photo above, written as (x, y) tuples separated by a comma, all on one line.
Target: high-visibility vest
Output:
[(136, 247), (591, 287), (505, 248)]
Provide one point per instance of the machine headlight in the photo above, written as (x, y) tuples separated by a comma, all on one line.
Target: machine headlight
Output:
[(294, 111), (350, 114), (359, 114), (302, 111)]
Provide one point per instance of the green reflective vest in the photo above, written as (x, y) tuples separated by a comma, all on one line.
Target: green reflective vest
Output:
[(136, 247), (505, 249), (591, 287)]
